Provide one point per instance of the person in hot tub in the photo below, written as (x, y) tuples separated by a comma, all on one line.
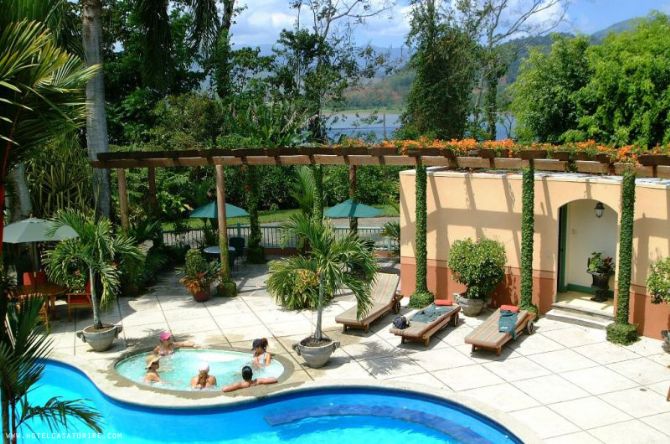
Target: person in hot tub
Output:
[(152, 369), (203, 379), (167, 346), (262, 357), (248, 380)]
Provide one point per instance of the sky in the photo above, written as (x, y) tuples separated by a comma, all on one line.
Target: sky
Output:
[(262, 20)]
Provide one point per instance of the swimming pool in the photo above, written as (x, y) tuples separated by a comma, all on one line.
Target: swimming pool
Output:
[(326, 416), (176, 370)]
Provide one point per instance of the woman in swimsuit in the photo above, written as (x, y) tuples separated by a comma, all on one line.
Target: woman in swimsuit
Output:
[(262, 357), (203, 379), (152, 369), (248, 381), (167, 346)]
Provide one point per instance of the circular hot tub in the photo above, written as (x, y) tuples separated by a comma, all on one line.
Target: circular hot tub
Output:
[(176, 370)]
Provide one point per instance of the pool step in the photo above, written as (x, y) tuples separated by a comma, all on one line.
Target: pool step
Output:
[(579, 316)]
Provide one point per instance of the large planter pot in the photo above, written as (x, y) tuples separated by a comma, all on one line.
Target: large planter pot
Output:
[(469, 307), (600, 282), (201, 294), (100, 340), (315, 356)]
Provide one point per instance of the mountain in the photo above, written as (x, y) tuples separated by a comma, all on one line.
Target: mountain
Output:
[(626, 25)]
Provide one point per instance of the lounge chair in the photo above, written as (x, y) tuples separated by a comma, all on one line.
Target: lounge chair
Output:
[(384, 299), (488, 336), (422, 331)]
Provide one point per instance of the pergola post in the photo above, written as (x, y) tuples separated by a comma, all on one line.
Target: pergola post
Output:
[(221, 217), (151, 198), (353, 221), (123, 197)]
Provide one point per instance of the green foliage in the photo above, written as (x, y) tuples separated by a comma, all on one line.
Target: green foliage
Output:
[(544, 101), (614, 93), (624, 334), (625, 246), (21, 368), (658, 281), (421, 299), (421, 292), (317, 200), (198, 273), (598, 263), (255, 251), (294, 284), (527, 233), (335, 263), (97, 250), (438, 103), (478, 265), (374, 184), (303, 189), (392, 230)]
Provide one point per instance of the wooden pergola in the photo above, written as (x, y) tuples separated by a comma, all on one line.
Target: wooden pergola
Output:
[(650, 166)]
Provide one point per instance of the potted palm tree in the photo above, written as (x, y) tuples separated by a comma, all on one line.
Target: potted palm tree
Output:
[(336, 264), (99, 251)]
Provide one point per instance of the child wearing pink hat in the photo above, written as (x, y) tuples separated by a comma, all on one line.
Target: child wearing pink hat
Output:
[(167, 346), (203, 379)]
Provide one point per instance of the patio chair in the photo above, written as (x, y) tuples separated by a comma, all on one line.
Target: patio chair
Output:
[(384, 297), (488, 335), (428, 321), (238, 244), (79, 300)]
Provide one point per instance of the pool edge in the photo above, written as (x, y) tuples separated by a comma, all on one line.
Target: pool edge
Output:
[(145, 397)]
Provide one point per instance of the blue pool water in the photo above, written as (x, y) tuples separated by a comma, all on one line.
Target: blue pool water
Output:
[(176, 370), (323, 416)]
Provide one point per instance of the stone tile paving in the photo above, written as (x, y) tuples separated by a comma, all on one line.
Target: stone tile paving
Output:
[(565, 382)]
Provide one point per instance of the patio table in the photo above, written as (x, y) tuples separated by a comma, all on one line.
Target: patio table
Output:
[(49, 291)]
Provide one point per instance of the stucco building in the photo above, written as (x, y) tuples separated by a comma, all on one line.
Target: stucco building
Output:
[(567, 231)]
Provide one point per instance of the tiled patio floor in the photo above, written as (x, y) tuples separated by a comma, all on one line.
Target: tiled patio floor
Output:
[(565, 382)]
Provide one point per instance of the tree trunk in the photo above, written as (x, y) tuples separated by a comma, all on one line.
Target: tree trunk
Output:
[(491, 104), (21, 206), (319, 311), (317, 212), (221, 218), (353, 221), (95, 300), (96, 119), (420, 243)]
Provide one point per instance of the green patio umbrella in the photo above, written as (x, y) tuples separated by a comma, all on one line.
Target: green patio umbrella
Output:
[(352, 209), (209, 211), (33, 230)]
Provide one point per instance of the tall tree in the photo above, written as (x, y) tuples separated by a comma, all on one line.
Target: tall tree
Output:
[(544, 95), (96, 118), (438, 104), (494, 22)]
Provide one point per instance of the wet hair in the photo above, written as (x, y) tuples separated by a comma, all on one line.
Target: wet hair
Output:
[(264, 343), (247, 373)]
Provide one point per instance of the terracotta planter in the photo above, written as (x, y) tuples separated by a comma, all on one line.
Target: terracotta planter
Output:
[(100, 340), (201, 295), (469, 307)]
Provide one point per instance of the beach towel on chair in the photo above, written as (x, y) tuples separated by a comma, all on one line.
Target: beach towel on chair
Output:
[(507, 322)]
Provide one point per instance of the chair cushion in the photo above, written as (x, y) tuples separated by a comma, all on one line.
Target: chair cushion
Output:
[(512, 308)]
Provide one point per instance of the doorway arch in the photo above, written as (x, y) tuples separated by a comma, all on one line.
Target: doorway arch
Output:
[(585, 226)]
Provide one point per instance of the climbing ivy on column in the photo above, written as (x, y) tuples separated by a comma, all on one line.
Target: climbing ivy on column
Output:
[(255, 251), (621, 332), (421, 296), (317, 213), (527, 232)]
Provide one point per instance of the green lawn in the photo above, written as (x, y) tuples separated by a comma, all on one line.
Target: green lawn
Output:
[(268, 216)]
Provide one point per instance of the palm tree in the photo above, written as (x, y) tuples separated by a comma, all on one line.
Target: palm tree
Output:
[(21, 366), (96, 118), (336, 263), (97, 250)]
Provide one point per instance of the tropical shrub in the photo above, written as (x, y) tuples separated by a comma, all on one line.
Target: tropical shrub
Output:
[(293, 285), (198, 273), (478, 265), (600, 264), (658, 281), (392, 230)]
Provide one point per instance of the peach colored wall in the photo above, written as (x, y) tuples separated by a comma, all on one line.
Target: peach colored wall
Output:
[(488, 205)]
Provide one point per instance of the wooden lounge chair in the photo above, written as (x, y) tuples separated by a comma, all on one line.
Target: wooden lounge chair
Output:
[(384, 299), (488, 336), (422, 331)]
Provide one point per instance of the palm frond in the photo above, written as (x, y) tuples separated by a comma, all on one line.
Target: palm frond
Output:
[(57, 412)]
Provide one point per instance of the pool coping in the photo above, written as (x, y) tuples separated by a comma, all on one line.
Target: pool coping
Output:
[(121, 389)]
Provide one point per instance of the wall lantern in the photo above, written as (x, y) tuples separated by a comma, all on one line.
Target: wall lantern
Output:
[(599, 209)]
